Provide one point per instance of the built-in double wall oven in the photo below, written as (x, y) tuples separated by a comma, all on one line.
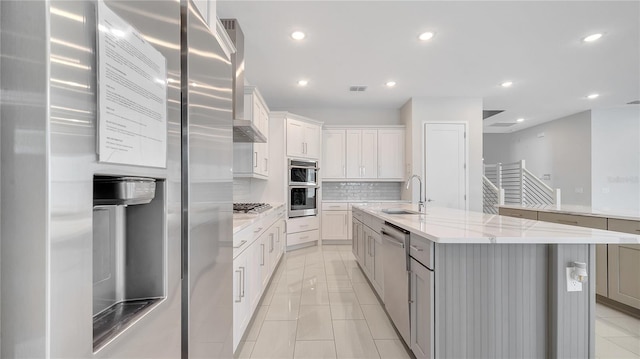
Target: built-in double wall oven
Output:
[(303, 188)]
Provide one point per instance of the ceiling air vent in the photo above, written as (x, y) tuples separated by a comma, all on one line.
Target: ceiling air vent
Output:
[(358, 88), (636, 102), (502, 124), (488, 113)]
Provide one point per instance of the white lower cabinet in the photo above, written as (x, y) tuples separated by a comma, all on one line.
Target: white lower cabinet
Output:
[(421, 310), (241, 303), (253, 267), (335, 225)]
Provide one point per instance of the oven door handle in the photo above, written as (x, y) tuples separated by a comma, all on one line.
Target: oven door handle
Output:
[(305, 168), (308, 186)]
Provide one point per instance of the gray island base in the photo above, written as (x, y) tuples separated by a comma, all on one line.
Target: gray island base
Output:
[(492, 287)]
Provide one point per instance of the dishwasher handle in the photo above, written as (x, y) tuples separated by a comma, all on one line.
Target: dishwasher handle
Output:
[(389, 238)]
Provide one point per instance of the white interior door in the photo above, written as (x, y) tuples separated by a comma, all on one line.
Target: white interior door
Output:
[(445, 164)]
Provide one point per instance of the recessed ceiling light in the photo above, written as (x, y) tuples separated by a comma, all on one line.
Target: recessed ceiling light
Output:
[(592, 96), (391, 83), (592, 37), (298, 35), (302, 82), (506, 84), (520, 120), (426, 36)]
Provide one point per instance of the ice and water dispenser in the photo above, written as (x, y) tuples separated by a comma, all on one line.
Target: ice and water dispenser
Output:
[(128, 252)]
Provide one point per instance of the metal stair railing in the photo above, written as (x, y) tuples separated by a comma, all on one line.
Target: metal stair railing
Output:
[(492, 196), (520, 186)]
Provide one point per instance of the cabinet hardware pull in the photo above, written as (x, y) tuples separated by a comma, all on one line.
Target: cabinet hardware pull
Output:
[(244, 282), (305, 237), (239, 286), (262, 259), (255, 159), (242, 242), (415, 248), (410, 301), (258, 230), (304, 225), (566, 221)]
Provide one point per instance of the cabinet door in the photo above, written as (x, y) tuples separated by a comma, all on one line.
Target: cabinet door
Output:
[(241, 311), (334, 224), (368, 257), (263, 243), (624, 281), (378, 265), (354, 242), (353, 147), (369, 154), (421, 310), (261, 159), (333, 159), (312, 139), (391, 154), (295, 138), (601, 270), (254, 273)]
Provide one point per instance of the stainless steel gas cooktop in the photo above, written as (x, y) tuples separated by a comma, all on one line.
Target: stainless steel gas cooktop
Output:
[(250, 207)]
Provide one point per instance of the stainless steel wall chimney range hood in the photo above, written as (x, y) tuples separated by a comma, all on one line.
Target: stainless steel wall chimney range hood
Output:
[(243, 129)]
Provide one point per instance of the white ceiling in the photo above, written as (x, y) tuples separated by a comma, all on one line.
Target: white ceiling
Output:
[(478, 45)]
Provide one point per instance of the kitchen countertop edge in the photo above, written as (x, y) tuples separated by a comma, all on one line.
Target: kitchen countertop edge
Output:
[(445, 225)]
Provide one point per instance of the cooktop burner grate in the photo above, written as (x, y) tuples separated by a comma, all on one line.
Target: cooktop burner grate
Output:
[(250, 207)]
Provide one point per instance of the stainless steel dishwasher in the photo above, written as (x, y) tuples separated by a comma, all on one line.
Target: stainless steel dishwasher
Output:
[(396, 277)]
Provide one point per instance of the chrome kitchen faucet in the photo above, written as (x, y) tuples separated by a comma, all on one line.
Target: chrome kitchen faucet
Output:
[(420, 198)]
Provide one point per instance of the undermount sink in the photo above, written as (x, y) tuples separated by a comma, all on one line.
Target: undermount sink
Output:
[(399, 211)]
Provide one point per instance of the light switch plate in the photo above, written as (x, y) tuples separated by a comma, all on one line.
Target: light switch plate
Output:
[(572, 284)]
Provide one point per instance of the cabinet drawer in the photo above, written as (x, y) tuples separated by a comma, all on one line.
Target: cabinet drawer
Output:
[(626, 226), (519, 213), (302, 237), (333, 206), (301, 224), (422, 250), (574, 220)]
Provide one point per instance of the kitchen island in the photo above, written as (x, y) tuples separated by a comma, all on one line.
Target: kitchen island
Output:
[(487, 286)]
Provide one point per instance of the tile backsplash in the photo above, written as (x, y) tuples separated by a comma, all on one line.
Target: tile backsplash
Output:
[(242, 190), (381, 191)]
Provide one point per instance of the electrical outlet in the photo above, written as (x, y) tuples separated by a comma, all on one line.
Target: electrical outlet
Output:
[(572, 284)]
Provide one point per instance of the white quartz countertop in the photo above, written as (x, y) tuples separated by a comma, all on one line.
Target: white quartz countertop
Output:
[(445, 225), (368, 201), (244, 220), (578, 210)]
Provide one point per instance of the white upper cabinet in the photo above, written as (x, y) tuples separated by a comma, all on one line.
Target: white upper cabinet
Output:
[(252, 159), (367, 154), (333, 155), (391, 154), (303, 139)]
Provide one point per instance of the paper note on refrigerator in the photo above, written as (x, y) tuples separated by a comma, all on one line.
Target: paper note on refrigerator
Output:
[(132, 95)]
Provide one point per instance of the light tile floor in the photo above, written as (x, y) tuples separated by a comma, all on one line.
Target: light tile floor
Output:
[(319, 305), (617, 334)]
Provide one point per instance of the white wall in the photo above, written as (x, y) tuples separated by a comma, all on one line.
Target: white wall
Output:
[(560, 148), (448, 109), (350, 116), (615, 156)]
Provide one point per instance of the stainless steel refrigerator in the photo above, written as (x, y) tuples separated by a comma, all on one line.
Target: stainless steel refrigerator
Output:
[(103, 258)]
